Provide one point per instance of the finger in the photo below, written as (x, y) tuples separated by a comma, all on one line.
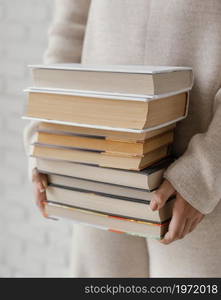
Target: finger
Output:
[(36, 176), (175, 230), (161, 195), (194, 224), (44, 180), (153, 204), (40, 180), (187, 228), (40, 196), (41, 200), (40, 186)]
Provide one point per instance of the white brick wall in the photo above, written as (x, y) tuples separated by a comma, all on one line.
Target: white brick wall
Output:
[(29, 245)]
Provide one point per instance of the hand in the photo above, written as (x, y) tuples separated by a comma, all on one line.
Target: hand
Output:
[(185, 217), (40, 184)]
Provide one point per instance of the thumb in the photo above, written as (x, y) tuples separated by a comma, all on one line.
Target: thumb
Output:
[(161, 195)]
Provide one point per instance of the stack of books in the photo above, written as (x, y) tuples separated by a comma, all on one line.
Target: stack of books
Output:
[(104, 140)]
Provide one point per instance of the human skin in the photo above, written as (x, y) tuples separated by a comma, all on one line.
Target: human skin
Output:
[(184, 220), (40, 184), (185, 217)]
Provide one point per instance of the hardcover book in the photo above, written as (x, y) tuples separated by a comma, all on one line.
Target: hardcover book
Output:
[(147, 179), (126, 79), (107, 222), (113, 135), (113, 205), (105, 159), (77, 141), (100, 111)]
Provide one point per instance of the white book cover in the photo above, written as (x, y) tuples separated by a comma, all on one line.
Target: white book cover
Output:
[(136, 69), (104, 127), (103, 95)]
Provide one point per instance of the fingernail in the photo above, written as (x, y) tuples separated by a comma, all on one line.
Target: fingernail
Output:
[(41, 188), (153, 207), (165, 239), (45, 184)]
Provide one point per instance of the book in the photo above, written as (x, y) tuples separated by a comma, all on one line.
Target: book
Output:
[(107, 222), (97, 132), (126, 79), (70, 108), (147, 179), (128, 192), (103, 144), (105, 159), (104, 141), (109, 204)]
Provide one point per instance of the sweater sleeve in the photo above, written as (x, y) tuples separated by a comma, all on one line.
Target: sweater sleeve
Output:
[(196, 175), (66, 35)]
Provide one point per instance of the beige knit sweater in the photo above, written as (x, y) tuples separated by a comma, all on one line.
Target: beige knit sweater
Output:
[(157, 32)]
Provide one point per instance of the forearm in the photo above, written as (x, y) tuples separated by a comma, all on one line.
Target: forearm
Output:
[(197, 174)]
